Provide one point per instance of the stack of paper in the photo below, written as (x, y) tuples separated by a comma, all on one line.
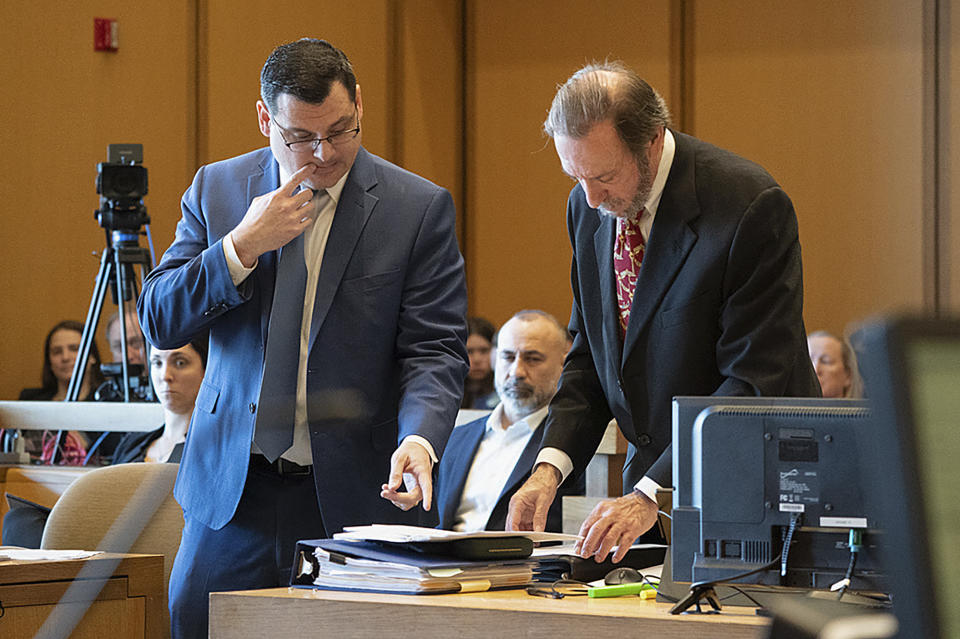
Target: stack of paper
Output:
[(368, 566), (403, 534)]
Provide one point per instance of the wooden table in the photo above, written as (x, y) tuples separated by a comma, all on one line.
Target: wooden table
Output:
[(294, 612), (116, 596)]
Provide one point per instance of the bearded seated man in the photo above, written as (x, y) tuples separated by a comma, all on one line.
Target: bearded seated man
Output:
[(486, 460)]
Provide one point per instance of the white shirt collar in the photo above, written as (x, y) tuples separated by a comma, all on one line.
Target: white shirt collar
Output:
[(531, 421), (663, 170)]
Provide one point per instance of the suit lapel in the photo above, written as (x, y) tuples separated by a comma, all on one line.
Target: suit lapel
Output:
[(523, 466), (603, 240), (268, 179), (353, 211), (463, 452), (671, 240)]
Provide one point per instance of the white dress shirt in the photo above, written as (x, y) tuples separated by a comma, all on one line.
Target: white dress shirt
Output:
[(494, 461), (554, 456)]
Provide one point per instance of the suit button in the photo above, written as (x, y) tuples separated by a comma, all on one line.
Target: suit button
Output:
[(644, 439), (253, 407)]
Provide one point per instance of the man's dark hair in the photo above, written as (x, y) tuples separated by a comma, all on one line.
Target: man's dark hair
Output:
[(306, 69)]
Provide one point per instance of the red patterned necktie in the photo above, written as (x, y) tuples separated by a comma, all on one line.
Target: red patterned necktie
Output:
[(627, 256)]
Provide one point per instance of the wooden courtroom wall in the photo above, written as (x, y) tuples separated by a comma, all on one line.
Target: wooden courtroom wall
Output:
[(828, 97), (63, 104), (517, 246), (832, 98)]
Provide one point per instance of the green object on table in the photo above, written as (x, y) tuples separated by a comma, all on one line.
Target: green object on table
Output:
[(619, 590)]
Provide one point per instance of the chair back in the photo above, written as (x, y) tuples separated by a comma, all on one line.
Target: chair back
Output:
[(127, 508)]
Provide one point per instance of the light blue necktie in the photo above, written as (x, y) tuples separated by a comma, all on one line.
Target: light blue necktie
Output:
[(273, 432)]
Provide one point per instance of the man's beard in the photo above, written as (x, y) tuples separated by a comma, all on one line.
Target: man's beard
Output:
[(522, 398), (634, 209)]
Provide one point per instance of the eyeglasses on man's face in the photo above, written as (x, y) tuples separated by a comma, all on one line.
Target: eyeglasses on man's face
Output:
[(337, 138)]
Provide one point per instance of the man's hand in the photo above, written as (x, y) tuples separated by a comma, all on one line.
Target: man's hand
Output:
[(410, 464), (274, 218), (616, 522), (530, 504)]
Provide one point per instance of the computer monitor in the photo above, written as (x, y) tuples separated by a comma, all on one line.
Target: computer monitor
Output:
[(747, 469), (912, 368)]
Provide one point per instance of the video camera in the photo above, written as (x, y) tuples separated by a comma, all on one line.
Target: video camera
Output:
[(122, 183), (111, 390)]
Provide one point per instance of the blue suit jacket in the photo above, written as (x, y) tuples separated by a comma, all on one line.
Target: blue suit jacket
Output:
[(455, 465), (387, 356)]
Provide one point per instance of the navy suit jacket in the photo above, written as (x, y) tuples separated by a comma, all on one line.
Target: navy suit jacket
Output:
[(455, 465), (718, 310), (387, 356)]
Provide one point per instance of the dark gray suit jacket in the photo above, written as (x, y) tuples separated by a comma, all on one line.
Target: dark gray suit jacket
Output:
[(717, 310)]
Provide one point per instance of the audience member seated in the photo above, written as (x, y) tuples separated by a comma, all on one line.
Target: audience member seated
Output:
[(59, 354), (478, 389), (135, 343), (835, 364), (486, 460), (176, 376)]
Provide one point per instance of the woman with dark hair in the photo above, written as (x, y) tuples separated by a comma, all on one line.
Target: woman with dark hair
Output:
[(478, 391), (59, 354), (176, 376)]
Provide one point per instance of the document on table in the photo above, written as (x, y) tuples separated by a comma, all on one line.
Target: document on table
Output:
[(15, 553), (397, 533), (367, 566)]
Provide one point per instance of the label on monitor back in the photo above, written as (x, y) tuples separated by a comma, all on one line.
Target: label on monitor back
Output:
[(791, 508), (843, 522)]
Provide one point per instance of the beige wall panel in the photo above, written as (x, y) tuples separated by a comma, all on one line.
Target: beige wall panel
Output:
[(235, 40), (518, 252), (951, 254), (429, 110), (827, 96), (64, 103)]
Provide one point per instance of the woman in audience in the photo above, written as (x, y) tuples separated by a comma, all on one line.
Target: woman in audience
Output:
[(835, 364), (478, 389), (176, 376), (59, 355)]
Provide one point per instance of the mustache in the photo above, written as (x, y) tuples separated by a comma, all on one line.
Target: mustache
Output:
[(518, 388)]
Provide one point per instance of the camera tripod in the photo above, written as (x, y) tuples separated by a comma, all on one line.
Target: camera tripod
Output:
[(117, 274)]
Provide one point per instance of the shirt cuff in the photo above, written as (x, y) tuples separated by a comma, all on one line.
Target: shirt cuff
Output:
[(648, 487), (238, 272), (423, 442), (556, 458)]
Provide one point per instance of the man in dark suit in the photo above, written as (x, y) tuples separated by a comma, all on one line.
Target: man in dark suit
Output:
[(333, 289), (487, 460), (716, 307)]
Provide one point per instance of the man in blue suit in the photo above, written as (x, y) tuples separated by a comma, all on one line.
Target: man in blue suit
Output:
[(488, 459), (298, 433)]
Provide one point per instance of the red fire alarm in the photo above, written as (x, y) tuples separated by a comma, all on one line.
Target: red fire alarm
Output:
[(105, 34)]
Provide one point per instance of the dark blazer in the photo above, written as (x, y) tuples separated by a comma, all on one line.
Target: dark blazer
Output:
[(387, 356), (133, 447), (717, 310), (455, 465)]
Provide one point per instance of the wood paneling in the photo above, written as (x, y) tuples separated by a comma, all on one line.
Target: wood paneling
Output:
[(517, 247), (64, 104), (827, 97)]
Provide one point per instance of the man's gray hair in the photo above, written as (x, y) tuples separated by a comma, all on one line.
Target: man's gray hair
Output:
[(608, 91)]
